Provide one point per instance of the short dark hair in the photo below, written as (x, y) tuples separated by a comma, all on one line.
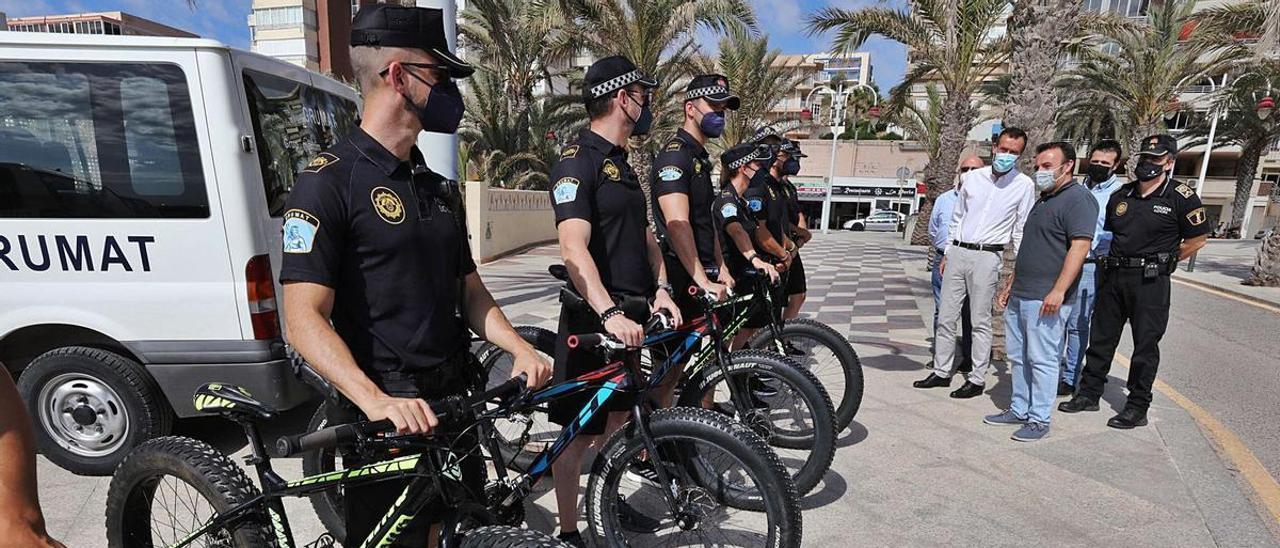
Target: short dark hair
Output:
[(599, 106), (1108, 145), (1012, 133), (1068, 151)]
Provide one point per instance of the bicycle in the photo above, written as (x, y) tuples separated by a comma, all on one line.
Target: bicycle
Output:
[(690, 452), (796, 418)]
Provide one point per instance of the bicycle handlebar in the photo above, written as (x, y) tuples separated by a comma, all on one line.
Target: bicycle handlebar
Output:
[(345, 434)]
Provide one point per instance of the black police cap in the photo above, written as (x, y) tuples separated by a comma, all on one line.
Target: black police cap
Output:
[(383, 25), (740, 154), (792, 148), (611, 74), (1158, 145), (714, 88)]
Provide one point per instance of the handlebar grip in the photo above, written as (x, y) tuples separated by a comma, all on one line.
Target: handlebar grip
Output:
[(288, 446), (503, 391), (586, 340)]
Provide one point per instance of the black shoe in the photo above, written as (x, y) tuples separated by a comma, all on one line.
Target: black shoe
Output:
[(633, 520), (761, 389), (965, 366), (932, 381), (1128, 419), (1077, 404), (1065, 389), (968, 390), (572, 538)]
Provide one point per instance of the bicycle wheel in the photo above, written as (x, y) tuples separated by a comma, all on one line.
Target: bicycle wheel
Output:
[(168, 487), (502, 536), (827, 354), (328, 504), (521, 436), (712, 461), (791, 411)]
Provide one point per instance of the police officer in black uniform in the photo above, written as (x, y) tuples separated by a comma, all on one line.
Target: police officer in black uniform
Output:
[(1156, 222), (766, 199), (797, 227), (379, 285), (740, 227), (613, 259), (682, 195)]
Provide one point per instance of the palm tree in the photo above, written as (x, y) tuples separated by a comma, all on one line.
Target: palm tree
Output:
[(504, 146), (950, 44), (922, 124), (749, 64), (1137, 79), (658, 36)]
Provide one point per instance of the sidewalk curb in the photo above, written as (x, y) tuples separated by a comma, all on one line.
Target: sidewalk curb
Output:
[(1234, 293)]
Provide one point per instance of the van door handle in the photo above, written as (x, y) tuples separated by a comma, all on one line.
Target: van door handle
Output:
[(246, 143)]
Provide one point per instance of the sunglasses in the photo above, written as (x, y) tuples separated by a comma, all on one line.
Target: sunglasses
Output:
[(967, 169), (442, 70)]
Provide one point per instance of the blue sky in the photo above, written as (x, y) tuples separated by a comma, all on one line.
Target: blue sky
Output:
[(225, 20)]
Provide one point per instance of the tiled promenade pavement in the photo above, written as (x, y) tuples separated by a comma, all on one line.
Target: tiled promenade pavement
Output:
[(916, 468)]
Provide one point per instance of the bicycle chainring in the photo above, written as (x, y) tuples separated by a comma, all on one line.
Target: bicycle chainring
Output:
[(494, 494)]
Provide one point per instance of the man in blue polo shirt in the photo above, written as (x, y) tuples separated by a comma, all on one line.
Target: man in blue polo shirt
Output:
[(1100, 177)]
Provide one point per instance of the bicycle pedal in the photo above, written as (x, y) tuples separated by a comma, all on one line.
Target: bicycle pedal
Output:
[(325, 541)]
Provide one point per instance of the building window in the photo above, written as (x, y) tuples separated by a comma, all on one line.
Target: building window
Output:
[(291, 16)]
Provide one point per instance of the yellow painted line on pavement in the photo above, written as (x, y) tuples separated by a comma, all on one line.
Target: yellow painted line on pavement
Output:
[(1255, 474), (1224, 294)]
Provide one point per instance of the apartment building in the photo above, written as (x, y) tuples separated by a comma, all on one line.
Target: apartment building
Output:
[(821, 70), (308, 33), (110, 22)]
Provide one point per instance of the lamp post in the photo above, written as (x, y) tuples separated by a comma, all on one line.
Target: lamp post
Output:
[(839, 97)]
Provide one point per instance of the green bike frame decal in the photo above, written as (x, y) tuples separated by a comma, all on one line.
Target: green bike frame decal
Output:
[(400, 523), (375, 469), (277, 525)]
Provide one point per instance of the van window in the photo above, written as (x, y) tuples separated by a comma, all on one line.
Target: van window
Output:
[(292, 123), (97, 140)]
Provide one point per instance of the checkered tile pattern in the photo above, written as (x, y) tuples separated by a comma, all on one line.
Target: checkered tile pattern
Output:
[(858, 284)]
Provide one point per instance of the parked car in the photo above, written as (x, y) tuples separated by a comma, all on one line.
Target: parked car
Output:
[(1264, 234), (142, 185), (881, 221)]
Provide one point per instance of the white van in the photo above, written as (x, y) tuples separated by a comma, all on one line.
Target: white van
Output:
[(142, 182)]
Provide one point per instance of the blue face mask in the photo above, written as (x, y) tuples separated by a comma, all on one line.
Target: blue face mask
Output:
[(712, 124), (1004, 162)]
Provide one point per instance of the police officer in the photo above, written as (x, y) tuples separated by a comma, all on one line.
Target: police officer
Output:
[(613, 259), (1155, 222), (740, 228), (798, 226), (379, 285), (765, 198), (683, 192)]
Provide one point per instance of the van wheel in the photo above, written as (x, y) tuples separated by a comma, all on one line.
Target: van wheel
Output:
[(92, 406)]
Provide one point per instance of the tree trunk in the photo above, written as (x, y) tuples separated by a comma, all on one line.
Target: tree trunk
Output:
[(1038, 29), (939, 174), (1246, 169), (1266, 268)]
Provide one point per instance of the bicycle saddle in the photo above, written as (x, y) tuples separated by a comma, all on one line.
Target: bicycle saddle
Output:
[(232, 402)]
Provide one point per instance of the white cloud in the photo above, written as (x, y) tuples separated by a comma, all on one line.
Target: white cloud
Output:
[(782, 16), (25, 8)]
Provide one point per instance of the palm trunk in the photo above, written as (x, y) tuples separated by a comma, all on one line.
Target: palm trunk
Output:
[(1038, 29), (957, 119), (1266, 268), (1245, 171)]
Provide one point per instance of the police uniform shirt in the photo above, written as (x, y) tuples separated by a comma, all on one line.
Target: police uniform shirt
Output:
[(765, 203), (792, 197), (593, 182), (730, 208), (1154, 224), (683, 167), (359, 221)]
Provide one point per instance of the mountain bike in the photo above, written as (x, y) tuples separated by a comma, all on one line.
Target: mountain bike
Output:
[(775, 397)]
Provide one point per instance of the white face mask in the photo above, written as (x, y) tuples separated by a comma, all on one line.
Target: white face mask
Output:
[(1045, 180)]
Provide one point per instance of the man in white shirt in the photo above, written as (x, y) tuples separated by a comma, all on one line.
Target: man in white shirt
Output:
[(991, 208), (939, 236)]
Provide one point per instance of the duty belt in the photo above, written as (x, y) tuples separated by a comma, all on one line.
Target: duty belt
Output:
[(1162, 259), (979, 247)]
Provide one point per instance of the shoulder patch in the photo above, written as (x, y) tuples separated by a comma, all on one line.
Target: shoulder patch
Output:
[(569, 151), (755, 204), (565, 190), (321, 161), (1184, 190), (1196, 217), (670, 173), (611, 170), (697, 166), (729, 211), (300, 228), (673, 145)]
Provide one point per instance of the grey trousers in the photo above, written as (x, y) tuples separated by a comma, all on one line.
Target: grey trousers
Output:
[(974, 274)]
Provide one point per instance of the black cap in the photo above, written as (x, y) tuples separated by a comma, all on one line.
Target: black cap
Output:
[(766, 132), (611, 74), (384, 25), (792, 148), (740, 155), (714, 88), (1158, 145)]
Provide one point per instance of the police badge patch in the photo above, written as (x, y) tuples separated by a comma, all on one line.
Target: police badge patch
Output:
[(670, 173), (755, 204), (728, 211), (321, 161), (565, 190), (300, 230), (611, 171), (1196, 217), (697, 167), (1185, 191), (1121, 208), (569, 151), (388, 205)]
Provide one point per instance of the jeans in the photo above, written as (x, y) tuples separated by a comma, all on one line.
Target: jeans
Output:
[(1078, 324), (1035, 348), (966, 332)]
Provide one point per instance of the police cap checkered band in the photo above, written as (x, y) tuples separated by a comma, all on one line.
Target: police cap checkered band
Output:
[(739, 156), (611, 74), (714, 88)]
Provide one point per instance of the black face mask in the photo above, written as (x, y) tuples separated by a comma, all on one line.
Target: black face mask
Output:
[(760, 177), (790, 167), (444, 108), (643, 123), (1097, 173), (1146, 171)]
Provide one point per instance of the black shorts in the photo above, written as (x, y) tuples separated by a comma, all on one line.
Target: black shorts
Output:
[(365, 505), (571, 363), (796, 283)]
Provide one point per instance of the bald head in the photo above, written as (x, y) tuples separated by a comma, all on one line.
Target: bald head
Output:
[(968, 164)]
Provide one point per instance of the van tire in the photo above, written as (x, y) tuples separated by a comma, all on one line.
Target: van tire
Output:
[(131, 407)]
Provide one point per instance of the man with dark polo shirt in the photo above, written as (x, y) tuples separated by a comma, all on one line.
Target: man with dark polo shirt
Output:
[(379, 285), (614, 263), (1041, 291)]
